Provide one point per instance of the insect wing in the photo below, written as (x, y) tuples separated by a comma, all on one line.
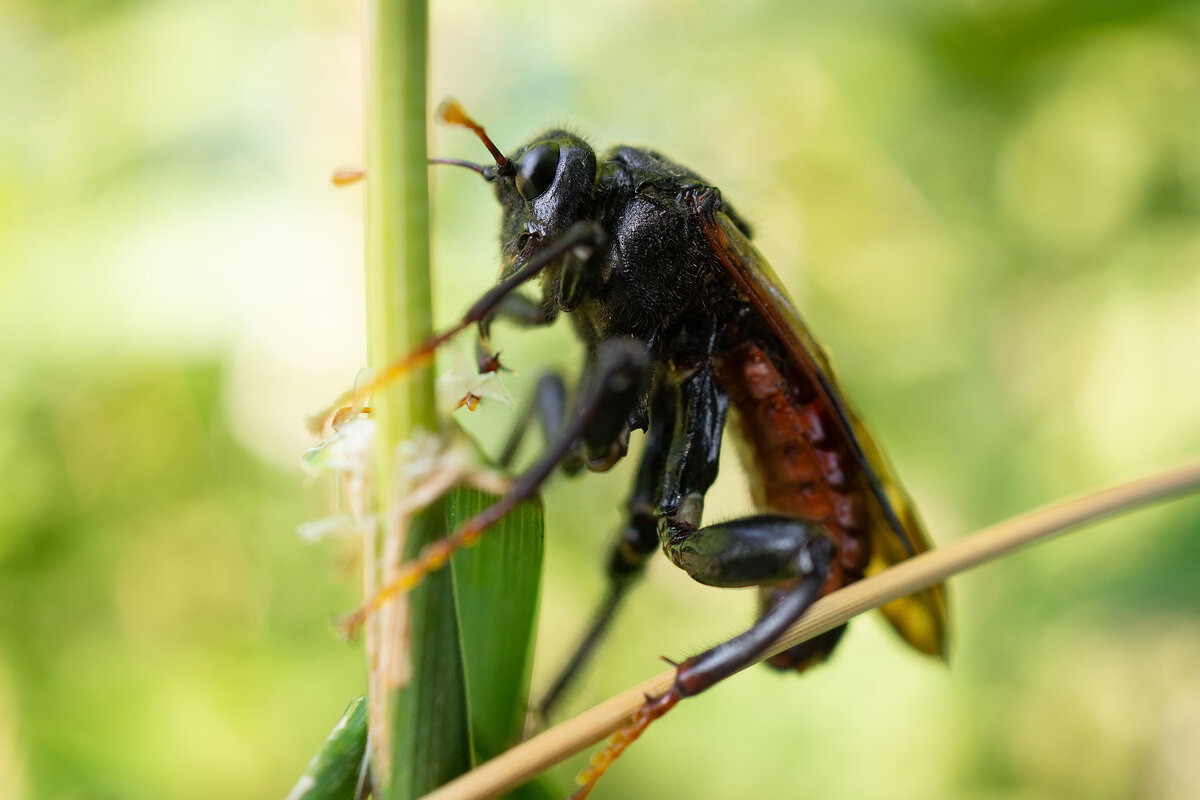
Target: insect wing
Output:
[(896, 531)]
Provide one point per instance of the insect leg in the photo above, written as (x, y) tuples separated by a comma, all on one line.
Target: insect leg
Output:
[(586, 236), (612, 386), (806, 654), (520, 310), (548, 407), (694, 456), (691, 452), (549, 403), (748, 552), (683, 448), (743, 552), (634, 545)]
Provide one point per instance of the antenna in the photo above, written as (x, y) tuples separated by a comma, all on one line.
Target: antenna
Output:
[(452, 113)]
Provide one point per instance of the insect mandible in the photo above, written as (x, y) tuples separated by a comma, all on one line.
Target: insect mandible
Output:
[(686, 332)]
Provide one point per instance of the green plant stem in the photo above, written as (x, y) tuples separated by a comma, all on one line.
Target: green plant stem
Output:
[(420, 736), (399, 298)]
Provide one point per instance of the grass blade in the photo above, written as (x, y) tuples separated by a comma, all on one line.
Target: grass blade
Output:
[(430, 738), (333, 772), (498, 583)]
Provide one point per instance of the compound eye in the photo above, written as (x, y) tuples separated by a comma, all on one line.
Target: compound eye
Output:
[(536, 169)]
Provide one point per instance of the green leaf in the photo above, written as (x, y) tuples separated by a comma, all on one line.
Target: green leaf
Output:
[(498, 582), (428, 741), (333, 772), (430, 732)]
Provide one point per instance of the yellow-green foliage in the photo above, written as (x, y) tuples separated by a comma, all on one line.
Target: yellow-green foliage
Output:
[(990, 212)]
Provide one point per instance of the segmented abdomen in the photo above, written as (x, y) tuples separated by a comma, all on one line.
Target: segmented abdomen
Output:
[(799, 463)]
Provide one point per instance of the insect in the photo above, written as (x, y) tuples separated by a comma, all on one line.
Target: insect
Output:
[(686, 333)]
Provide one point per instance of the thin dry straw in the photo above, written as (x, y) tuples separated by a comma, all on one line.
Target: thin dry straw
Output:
[(528, 759)]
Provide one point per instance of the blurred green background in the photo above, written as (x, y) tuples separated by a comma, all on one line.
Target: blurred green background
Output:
[(989, 210)]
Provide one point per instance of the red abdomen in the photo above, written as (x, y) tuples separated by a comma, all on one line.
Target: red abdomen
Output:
[(799, 463)]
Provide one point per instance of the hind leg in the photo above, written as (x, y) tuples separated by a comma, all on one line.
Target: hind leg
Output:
[(635, 543), (794, 556), (745, 552), (806, 654)]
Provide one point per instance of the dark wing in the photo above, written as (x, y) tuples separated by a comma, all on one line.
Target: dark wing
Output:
[(896, 531)]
